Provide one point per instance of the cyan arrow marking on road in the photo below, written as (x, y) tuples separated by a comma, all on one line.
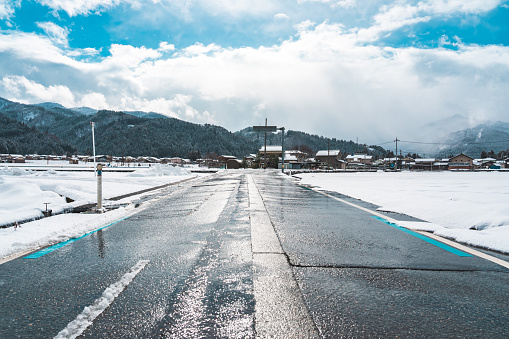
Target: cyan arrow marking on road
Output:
[(422, 237), (50, 249)]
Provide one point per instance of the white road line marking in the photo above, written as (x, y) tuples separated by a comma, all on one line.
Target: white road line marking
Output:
[(357, 206), (85, 319), (16, 255), (427, 234), (466, 249)]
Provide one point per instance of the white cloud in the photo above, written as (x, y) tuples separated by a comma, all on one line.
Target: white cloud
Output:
[(199, 49), (7, 10), (458, 6), (19, 85), (77, 52), (166, 47), (334, 3), (57, 33), (94, 100), (177, 107), (236, 7), (305, 25), (401, 14), (129, 56), (323, 80), (85, 7), (281, 16)]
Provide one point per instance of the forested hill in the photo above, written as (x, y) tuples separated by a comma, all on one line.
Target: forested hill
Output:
[(123, 134), (17, 138), (119, 133), (143, 134)]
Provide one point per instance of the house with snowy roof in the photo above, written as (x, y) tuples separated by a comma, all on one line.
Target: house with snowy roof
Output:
[(228, 161), (359, 159), (461, 162), (331, 157), (429, 164), (271, 150)]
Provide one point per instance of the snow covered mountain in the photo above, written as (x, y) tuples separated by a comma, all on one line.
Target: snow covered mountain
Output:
[(472, 141)]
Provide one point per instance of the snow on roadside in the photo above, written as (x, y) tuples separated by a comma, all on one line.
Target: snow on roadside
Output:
[(58, 228), (23, 193), (452, 202)]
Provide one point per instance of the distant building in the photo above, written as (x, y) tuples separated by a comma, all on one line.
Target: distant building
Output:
[(430, 164), (359, 160), (223, 161), (271, 150), (330, 157), (461, 162), (233, 164)]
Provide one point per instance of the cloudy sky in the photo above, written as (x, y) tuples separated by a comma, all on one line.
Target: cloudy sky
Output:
[(347, 69)]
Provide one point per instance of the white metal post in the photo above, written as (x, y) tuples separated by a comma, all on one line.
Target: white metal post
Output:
[(93, 145), (99, 187)]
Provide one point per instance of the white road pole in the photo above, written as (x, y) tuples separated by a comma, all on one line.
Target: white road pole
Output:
[(93, 146), (99, 187)]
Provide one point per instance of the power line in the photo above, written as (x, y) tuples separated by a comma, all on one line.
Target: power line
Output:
[(443, 143)]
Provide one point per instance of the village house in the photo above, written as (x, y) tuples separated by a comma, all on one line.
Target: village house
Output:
[(359, 160), (16, 159), (461, 162), (271, 150), (249, 159), (294, 160), (331, 158), (424, 164), (228, 161), (299, 155)]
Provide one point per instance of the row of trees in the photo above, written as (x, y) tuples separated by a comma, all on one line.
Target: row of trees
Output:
[(502, 155)]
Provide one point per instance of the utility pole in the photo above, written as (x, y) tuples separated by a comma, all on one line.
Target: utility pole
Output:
[(282, 149), (328, 152), (265, 152), (265, 129), (396, 166), (93, 146)]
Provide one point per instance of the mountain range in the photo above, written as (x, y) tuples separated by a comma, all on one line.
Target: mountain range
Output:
[(68, 130), (50, 128)]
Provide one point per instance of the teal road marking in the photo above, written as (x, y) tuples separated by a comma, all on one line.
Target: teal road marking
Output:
[(50, 249), (422, 237)]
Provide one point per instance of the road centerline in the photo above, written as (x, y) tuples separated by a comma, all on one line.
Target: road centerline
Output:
[(86, 318)]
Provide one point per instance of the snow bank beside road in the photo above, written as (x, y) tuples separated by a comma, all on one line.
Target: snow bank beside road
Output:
[(454, 202), (23, 193)]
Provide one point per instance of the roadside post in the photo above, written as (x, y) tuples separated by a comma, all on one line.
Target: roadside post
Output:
[(92, 124), (99, 187), (282, 149)]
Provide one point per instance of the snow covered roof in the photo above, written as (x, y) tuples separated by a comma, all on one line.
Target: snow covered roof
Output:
[(324, 153), (360, 156), (290, 157), (271, 149), (293, 151), (425, 160)]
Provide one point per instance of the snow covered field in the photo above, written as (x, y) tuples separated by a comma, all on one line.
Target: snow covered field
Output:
[(24, 192), (469, 207), (452, 203)]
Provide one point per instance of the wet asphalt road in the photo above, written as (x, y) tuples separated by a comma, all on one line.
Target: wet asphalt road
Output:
[(251, 254)]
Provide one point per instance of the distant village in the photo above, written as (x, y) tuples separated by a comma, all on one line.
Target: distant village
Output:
[(272, 156)]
